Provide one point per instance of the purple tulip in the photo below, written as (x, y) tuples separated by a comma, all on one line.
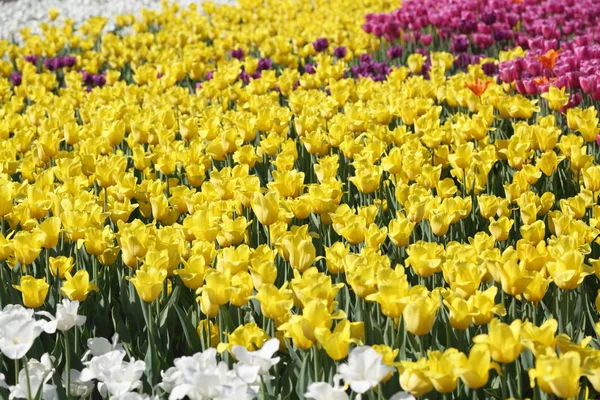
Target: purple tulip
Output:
[(321, 44), (264, 64), (340, 52), (237, 53), (16, 78), (394, 52)]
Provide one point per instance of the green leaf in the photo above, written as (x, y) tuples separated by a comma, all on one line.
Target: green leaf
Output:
[(191, 338), (165, 312)]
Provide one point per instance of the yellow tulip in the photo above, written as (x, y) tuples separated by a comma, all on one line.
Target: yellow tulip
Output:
[(569, 270), (388, 357), (250, 336), (414, 377), (500, 228), (217, 287), (558, 375), (419, 314), (425, 258), (50, 230), (208, 332), (193, 273), (148, 282), (275, 303), (442, 369), (61, 265), (503, 340), (336, 343), (302, 252), (266, 207), (78, 286), (34, 291), (474, 371), (27, 246), (557, 98)]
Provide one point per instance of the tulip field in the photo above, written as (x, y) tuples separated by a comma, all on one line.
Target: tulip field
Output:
[(303, 199)]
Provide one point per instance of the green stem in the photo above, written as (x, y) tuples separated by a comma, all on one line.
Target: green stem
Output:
[(27, 377), (68, 363), (316, 362), (504, 381)]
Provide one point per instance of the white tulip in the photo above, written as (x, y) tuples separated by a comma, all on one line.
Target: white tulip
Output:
[(78, 388), (261, 358), (364, 370), (324, 391), (402, 396), (40, 373), (115, 376), (99, 346), (18, 331)]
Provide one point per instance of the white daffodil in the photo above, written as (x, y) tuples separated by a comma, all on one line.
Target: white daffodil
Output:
[(3, 384), (364, 370), (18, 331), (261, 358)]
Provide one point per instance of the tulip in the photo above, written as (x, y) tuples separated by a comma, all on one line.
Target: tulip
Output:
[(419, 314), (249, 336), (302, 252), (399, 230), (503, 340), (500, 228), (336, 343), (474, 371), (414, 377), (266, 207), (78, 286), (61, 265), (27, 246), (558, 375), (34, 291)]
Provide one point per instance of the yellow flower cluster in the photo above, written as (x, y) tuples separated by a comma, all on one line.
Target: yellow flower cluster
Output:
[(426, 214)]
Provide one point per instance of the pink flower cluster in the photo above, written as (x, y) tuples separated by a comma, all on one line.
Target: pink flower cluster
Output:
[(577, 67), (478, 25)]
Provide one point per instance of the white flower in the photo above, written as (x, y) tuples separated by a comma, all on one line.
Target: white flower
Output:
[(78, 388), (18, 331), (40, 373), (201, 377), (3, 382), (260, 358), (324, 391), (402, 396), (133, 396), (100, 346), (67, 317), (115, 376), (364, 370)]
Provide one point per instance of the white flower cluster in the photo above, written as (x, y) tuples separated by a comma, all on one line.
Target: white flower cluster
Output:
[(18, 14), (363, 371), (201, 377)]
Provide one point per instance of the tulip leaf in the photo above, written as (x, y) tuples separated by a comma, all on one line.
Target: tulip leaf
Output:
[(191, 338), (165, 312)]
